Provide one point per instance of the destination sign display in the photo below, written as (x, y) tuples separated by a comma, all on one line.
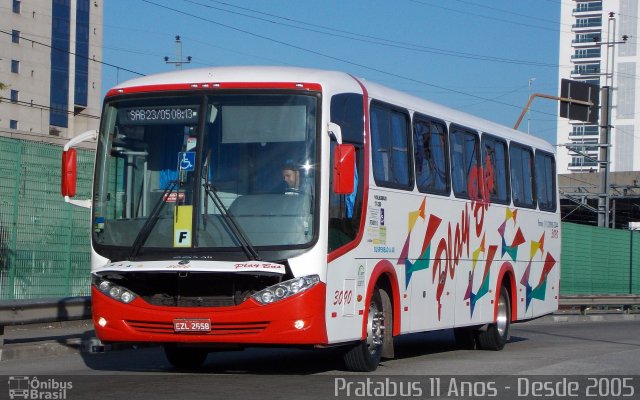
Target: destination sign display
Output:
[(185, 115)]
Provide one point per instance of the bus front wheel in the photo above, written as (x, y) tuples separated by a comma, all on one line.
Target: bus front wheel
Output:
[(497, 334), (365, 356)]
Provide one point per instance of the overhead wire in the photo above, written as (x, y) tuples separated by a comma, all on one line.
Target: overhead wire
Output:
[(330, 31), (334, 58), (519, 23), (356, 36), (45, 107), (22, 37), (118, 27), (413, 47), (484, 5)]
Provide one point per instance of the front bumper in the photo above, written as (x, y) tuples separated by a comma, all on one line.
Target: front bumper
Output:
[(247, 323)]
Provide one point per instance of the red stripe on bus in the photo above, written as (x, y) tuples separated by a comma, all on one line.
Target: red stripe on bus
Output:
[(384, 267), (507, 268), (215, 86)]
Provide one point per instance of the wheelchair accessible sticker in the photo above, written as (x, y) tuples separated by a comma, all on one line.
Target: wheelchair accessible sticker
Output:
[(187, 160)]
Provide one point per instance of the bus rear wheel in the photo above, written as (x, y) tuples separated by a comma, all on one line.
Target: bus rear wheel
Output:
[(497, 334), (185, 357), (365, 356)]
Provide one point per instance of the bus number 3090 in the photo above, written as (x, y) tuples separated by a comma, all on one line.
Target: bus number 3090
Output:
[(342, 296)]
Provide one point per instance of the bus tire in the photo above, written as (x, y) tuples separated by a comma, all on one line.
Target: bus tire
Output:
[(185, 357), (497, 334), (365, 356)]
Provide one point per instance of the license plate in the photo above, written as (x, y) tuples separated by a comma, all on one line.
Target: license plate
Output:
[(192, 325)]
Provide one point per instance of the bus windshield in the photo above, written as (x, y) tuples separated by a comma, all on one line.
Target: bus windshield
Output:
[(225, 171)]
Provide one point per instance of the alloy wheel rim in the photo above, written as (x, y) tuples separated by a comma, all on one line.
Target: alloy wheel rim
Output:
[(502, 317), (375, 328)]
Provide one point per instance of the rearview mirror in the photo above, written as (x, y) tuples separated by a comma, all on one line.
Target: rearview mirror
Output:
[(344, 164), (69, 173)]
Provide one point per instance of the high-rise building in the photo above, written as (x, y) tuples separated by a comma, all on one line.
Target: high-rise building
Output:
[(48, 53), (599, 45)]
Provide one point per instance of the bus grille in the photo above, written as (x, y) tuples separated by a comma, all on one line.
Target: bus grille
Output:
[(190, 301), (192, 289), (242, 328)]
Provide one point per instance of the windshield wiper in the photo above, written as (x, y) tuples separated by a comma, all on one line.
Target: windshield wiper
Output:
[(151, 221), (240, 236)]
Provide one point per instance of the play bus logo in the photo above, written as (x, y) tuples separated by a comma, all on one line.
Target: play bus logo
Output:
[(24, 387)]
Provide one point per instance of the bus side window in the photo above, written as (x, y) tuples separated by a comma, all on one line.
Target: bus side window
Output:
[(347, 110), (389, 147), (494, 166), (345, 210), (545, 181), (521, 167), (464, 162), (431, 156)]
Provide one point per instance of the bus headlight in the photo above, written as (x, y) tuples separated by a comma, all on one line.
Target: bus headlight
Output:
[(114, 291), (285, 289)]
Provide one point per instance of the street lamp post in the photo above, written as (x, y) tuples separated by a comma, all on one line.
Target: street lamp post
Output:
[(178, 63), (529, 111)]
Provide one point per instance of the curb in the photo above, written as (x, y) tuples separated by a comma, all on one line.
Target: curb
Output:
[(37, 350), (55, 339), (593, 318), (90, 346)]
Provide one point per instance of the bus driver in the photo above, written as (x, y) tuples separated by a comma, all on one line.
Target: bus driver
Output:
[(291, 176)]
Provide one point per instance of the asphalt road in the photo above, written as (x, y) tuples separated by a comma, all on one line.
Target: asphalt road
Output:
[(553, 350)]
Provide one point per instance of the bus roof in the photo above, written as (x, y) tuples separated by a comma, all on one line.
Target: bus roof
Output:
[(237, 74), (337, 82)]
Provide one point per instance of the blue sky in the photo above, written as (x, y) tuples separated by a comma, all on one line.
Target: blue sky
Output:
[(474, 55)]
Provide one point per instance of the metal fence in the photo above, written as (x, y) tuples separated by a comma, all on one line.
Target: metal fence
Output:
[(599, 261), (45, 252), (44, 242)]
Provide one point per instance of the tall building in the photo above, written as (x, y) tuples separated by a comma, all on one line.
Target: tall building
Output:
[(592, 50), (52, 83)]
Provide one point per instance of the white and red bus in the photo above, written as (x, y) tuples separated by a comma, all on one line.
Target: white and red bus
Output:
[(404, 216)]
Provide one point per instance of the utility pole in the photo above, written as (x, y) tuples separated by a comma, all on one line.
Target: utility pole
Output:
[(529, 111), (178, 63), (605, 122), (603, 157), (606, 100)]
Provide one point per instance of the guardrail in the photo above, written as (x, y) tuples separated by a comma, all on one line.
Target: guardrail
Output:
[(34, 311), (17, 312), (585, 302)]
